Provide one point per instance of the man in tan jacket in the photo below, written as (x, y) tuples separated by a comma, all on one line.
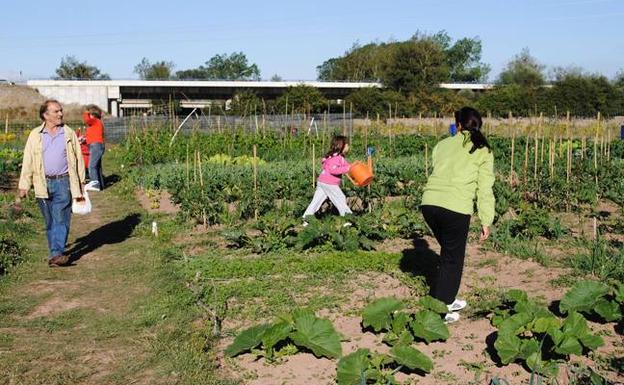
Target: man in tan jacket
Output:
[(53, 164)]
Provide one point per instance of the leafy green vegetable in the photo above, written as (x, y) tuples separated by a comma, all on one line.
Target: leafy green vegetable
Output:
[(316, 334), (246, 340), (378, 314), (412, 358), (583, 296), (352, 368), (429, 326)]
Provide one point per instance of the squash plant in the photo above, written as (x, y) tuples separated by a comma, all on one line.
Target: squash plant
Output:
[(594, 298), (301, 329), (533, 335), (365, 367)]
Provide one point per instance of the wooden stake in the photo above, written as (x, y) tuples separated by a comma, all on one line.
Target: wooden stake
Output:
[(255, 181), (426, 160), (513, 146), (536, 157), (313, 168)]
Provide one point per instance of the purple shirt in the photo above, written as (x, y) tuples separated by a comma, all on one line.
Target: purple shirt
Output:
[(54, 152)]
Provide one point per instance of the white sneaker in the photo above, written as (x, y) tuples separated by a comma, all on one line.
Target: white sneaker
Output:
[(458, 304), (305, 224), (92, 187), (449, 318), (347, 224)]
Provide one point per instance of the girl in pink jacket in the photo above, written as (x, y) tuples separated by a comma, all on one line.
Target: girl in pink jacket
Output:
[(328, 184)]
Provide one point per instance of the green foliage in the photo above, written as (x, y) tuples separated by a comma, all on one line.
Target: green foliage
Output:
[(403, 328), (365, 367), (594, 298), (72, 69), (234, 66), (160, 70), (10, 163), (530, 333), (302, 99), (532, 222), (523, 70), (316, 334), (378, 314), (301, 328), (600, 260), (11, 253)]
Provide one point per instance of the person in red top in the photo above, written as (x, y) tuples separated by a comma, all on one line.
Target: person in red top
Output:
[(95, 140)]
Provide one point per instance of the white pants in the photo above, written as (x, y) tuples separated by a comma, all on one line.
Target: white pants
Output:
[(335, 195)]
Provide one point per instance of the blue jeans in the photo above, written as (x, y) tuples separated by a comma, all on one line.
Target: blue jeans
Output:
[(96, 150), (56, 211)]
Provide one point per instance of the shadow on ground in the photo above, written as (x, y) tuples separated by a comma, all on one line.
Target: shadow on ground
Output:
[(420, 261), (110, 233)]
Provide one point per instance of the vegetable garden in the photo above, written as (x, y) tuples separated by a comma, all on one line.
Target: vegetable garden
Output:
[(349, 304)]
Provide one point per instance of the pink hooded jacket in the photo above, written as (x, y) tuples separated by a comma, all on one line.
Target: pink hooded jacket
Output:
[(333, 168)]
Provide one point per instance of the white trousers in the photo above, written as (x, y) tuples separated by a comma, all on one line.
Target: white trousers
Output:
[(335, 195)]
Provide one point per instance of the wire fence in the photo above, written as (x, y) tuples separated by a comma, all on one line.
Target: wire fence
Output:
[(118, 128)]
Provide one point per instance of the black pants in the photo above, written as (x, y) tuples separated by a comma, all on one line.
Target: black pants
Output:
[(451, 231)]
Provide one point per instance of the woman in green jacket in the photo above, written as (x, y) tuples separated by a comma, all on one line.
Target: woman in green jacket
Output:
[(463, 168)]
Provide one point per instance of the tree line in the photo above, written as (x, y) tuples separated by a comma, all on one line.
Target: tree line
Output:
[(410, 72)]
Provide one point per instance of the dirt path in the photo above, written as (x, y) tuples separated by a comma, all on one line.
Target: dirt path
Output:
[(85, 323)]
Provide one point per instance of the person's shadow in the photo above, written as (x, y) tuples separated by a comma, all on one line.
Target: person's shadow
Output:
[(110, 233), (421, 261)]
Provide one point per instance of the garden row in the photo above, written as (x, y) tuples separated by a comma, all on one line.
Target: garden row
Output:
[(527, 332)]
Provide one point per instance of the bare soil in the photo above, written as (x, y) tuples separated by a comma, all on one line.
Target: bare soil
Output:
[(467, 357)]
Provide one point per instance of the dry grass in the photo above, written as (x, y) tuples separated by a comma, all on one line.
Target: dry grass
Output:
[(18, 102)]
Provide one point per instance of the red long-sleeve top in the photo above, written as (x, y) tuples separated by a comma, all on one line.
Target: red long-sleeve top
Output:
[(95, 128)]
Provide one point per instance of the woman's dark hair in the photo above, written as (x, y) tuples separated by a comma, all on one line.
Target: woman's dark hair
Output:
[(470, 120), (338, 144)]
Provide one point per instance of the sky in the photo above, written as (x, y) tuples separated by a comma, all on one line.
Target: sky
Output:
[(291, 38)]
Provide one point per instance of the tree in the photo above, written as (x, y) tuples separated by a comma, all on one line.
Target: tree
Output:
[(464, 61), (619, 80), (523, 70), (161, 70), (276, 78), (223, 67), (246, 103), (415, 65), (302, 98), (72, 69), (375, 101)]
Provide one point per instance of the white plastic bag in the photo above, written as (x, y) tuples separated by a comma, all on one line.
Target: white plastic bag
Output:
[(82, 206)]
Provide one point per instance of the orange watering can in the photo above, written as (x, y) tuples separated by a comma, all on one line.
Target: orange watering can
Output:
[(361, 174)]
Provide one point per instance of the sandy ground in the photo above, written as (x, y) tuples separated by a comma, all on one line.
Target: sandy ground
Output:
[(464, 358)]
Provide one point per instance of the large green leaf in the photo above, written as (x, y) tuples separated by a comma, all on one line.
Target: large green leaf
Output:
[(273, 335), (507, 347), (575, 324), (352, 368), (543, 324), (399, 322), (545, 368), (378, 314), (609, 310), (246, 340), (528, 347), (515, 324), (316, 334), (433, 304), (583, 296), (569, 345), (429, 326), (412, 358), (591, 341), (516, 295)]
